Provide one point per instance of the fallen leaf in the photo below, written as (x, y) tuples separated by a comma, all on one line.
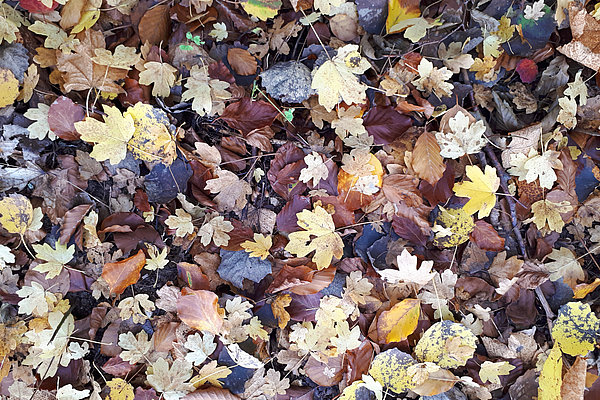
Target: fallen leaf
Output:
[(407, 270), (121, 274), (199, 310), (55, 258), (259, 247), (446, 343), (278, 307), (399, 322), (427, 160), (576, 329), (17, 215), (326, 242), (9, 87), (550, 380), (119, 390), (390, 368), (490, 371), (481, 191), (160, 75), (239, 265)]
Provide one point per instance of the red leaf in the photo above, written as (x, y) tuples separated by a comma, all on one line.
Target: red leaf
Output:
[(192, 276), (247, 115), (62, 117), (287, 221), (486, 238), (527, 70), (284, 172), (35, 6), (140, 200), (117, 367), (386, 124), (123, 273)]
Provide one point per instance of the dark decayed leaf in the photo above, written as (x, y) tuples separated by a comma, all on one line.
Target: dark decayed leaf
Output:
[(237, 265)]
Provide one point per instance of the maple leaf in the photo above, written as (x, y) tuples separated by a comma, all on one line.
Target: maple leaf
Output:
[(110, 137), (123, 57), (34, 299), (181, 222), (200, 347), (535, 11), (568, 112), (565, 266), (326, 242), (157, 260), (315, 169), (67, 392), (577, 88), (484, 69), (454, 58), (216, 230), (326, 6), (131, 307), (40, 128), (533, 166), (219, 33), (208, 94), (159, 74), (55, 258), (349, 122), (231, 190), (259, 247), (79, 70), (490, 371), (546, 215), (407, 270), (481, 191), (134, 347), (463, 138), (335, 80), (170, 381), (211, 373), (433, 80)]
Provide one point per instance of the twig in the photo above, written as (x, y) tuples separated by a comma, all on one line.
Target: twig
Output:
[(504, 177)]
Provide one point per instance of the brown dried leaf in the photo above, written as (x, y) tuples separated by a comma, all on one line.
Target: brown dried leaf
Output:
[(427, 160), (155, 25), (199, 310)]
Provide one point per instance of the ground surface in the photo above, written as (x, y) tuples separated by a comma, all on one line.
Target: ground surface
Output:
[(258, 199)]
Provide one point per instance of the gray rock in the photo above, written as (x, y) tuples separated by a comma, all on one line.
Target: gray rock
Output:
[(288, 81)]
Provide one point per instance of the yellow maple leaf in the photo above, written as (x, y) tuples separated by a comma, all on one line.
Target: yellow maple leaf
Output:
[(55, 258), (490, 371), (326, 244), (259, 247), (17, 215), (546, 215), (208, 94), (161, 75), (119, 390), (110, 137), (210, 373), (481, 191), (278, 307), (336, 81)]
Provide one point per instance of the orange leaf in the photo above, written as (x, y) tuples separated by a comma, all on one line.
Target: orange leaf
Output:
[(583, 289), (123, 273), (427, 160), (199, 310), (278, 306)]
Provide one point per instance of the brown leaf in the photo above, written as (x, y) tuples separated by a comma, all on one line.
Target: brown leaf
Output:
[(284, 172), (117, 367), (585, 44), (199, 310), (81, 73), (140, 200), (247, 115), (301, 280), (442, 190), (566, 176), (287, 221), (399, 188), (70, 222), (110, 340), (485, 236), (211, 393), (315, 370), (386, 124), (123, 273), (359, 360), (192, 276), (164, 336), (427, 160), (62, 117), (155, 25), (573, 383), (241, 61)]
